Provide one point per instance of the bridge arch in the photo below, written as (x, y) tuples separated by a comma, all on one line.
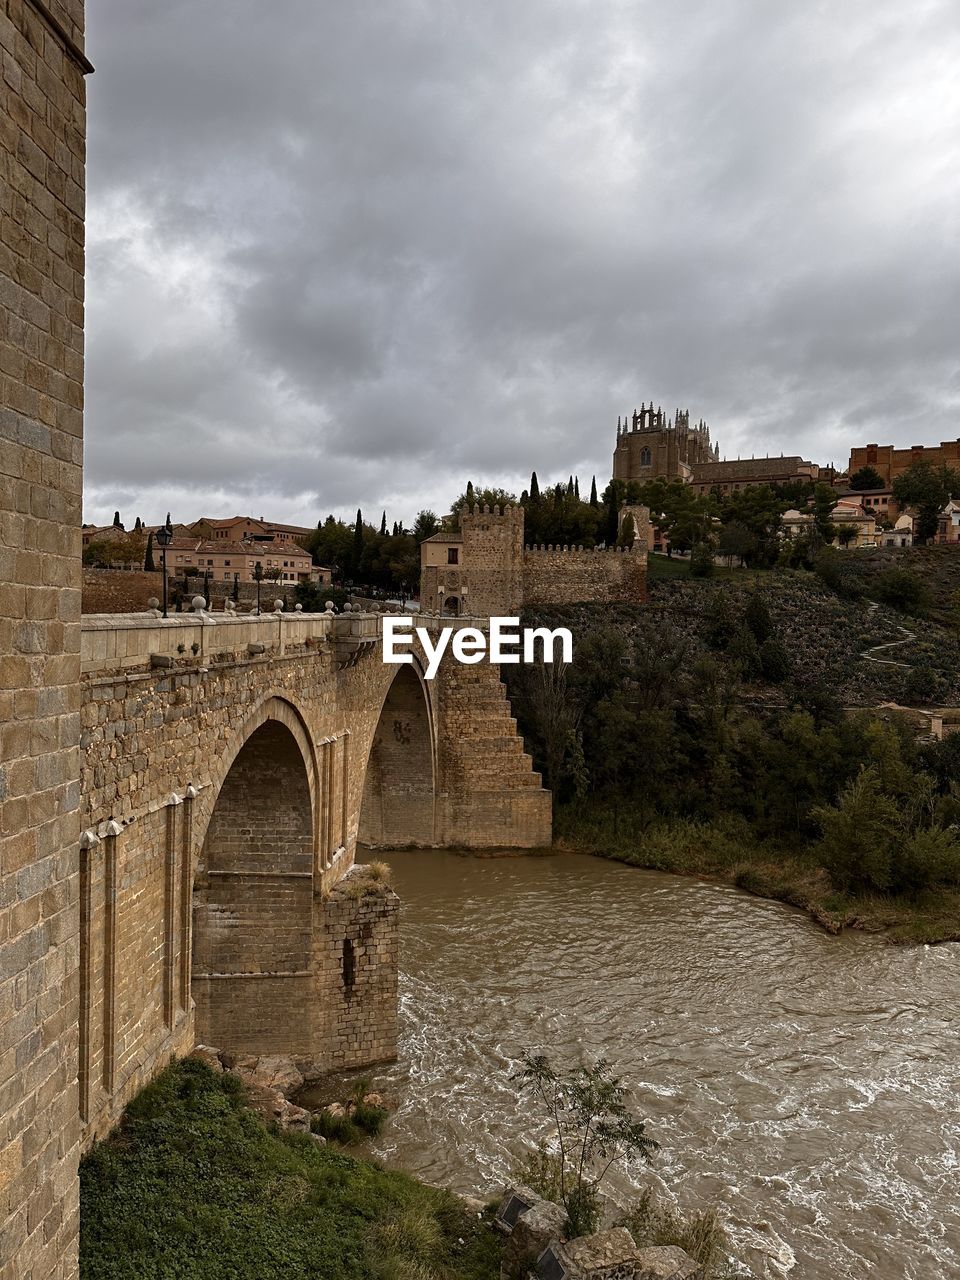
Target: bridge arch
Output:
[(398, 807), (253, 888)]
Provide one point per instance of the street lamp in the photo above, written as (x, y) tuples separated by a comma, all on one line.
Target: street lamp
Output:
[(258, 578), (163, 538)]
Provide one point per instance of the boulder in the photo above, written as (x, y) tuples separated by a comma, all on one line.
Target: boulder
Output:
[(294, 1118), (666, 1262), (337, 1110), (533, 1231), (204, 1053), (270, 1073), (613, 1255)]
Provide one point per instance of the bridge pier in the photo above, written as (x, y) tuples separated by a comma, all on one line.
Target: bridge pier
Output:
[(229, 764)]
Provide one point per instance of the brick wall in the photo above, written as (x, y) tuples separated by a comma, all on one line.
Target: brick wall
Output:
[(42, 124)]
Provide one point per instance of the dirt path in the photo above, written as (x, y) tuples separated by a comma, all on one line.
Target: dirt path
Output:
[(908, 637)]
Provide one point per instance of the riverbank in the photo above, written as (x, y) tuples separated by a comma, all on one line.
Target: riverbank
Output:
[(191, 1186), (728, 853)]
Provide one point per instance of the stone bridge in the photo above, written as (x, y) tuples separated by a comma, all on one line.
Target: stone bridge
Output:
[(230, 766)]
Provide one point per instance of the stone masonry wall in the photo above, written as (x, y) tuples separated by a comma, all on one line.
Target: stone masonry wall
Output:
[(119, 590), (160, 746), (42, 131), (568, 575)]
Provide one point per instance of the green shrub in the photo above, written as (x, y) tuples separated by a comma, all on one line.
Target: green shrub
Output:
[(904, 590), (651, 1222)]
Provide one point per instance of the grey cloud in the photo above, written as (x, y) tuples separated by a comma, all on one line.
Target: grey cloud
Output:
[(357, 254)]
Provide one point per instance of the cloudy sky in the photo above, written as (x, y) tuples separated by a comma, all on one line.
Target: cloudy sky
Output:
[(347, 253)]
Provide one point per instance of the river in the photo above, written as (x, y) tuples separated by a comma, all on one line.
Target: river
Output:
[(808, 1085)]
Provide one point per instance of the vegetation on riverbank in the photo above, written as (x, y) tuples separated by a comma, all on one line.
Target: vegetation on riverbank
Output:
[(728, 852), (711, 737), (191, 1186)]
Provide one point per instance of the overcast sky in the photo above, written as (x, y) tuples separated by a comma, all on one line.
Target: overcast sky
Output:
[(346, 253)]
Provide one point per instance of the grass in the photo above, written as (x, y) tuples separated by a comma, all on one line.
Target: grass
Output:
[(729, 853), (661, 567), (191, 1186), (651, 1222), (363, 1120)]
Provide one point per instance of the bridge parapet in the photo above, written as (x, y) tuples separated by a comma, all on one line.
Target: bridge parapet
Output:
[(125, 641)]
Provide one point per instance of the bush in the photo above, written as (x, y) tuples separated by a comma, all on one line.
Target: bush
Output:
[(651, 1222), (904, 590), (701, 561), (774, 662)]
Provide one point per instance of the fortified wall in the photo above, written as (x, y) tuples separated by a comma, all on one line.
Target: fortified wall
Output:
[(485, 570)]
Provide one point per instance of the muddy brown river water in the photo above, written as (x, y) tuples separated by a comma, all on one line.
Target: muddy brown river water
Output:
[(809, 1085)]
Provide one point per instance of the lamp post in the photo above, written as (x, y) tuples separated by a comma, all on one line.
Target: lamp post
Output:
[(258, 578), (163, 537)]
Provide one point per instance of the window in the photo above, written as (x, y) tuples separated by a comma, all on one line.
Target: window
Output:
[(226, 564), (645, 457), (210, 562), (453, 555)]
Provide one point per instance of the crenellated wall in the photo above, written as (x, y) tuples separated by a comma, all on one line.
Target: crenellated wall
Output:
[(565, 575)]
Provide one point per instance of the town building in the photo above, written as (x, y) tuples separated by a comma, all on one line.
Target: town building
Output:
[(890, 462), (246, 528), (948, 526), (740, 473), (226, 561)]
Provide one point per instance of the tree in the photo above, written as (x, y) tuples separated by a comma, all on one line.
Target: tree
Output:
[(594, 500), (701, 560), (534, 488), (866, 478), (757, 617), (425, 525), (356, 555), (858, 835), (593, 1126), (628, 532), (929, 489), (148, 565), (138, 525), (736, 540), (383, 525), (116, 520)]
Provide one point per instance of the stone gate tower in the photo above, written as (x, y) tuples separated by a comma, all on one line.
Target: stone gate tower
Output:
[(42, 140)]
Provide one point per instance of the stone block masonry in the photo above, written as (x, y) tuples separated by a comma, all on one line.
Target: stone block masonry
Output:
[(42, 132)]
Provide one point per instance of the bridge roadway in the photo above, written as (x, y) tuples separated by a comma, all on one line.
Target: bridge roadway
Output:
[(230, 765)]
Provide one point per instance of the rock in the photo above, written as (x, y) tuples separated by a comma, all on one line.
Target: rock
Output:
[(204, 1053), (533, 1231), (373, 1100), (310, 1070), (271, 1073), (267, 1103), (234, 1061), (319, 1139), (336, 1109), (613, 1255), (666, 1262), (294, 1119)]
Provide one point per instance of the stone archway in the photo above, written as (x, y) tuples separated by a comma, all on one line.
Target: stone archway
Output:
[(398, 807), (253, 900)]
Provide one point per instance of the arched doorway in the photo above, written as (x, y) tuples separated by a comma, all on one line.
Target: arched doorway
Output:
[(398, 787), (451, 606), (253, 901)]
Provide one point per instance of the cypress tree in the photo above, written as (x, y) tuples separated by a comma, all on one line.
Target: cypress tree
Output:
[(148, 565), (570, 485), (594, 500), (357, 554), (116, 520), (383, 525), (576, 487), (138, 525), (534, 487), (470, 498)]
